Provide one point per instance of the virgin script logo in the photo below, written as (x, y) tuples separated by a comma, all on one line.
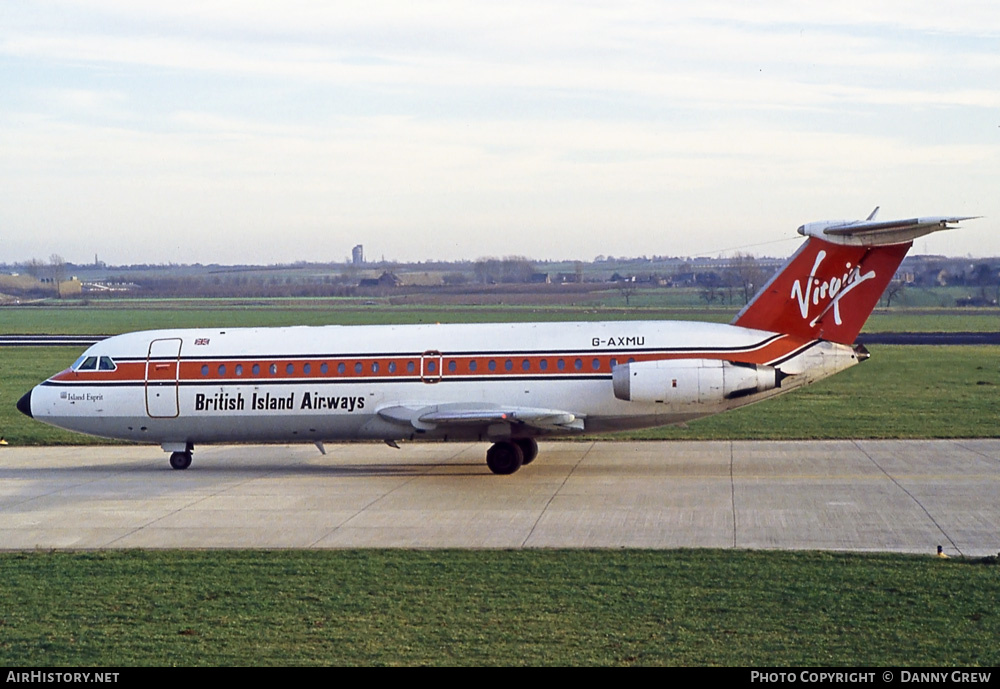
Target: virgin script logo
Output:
[(836, 288)]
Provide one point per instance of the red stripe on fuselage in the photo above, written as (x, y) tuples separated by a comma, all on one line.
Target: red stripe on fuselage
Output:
[(498, 364)]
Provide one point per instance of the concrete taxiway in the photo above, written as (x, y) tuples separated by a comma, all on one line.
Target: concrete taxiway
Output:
[(903, 496)]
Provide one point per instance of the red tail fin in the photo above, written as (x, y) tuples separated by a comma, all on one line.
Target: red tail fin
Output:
[(830, 286), (825, 291)]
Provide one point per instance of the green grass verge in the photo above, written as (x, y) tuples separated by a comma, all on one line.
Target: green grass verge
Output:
[(155, 314), (702, 607), (901, 392)]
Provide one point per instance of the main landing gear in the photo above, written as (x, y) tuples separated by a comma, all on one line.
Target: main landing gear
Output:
[(180, 460), (507, 456)]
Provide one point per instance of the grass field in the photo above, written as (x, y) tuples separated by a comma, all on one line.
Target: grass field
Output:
[(617, 608), (113, 318), (705, 607)]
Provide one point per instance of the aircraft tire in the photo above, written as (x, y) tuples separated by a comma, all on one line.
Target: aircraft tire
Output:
[(504, 458), (529, 448), (180, 460)]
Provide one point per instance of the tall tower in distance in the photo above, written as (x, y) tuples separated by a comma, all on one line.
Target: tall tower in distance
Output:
[(358, 255)]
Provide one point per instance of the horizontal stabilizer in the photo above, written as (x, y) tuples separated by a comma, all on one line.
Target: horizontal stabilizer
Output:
[(879, 232)]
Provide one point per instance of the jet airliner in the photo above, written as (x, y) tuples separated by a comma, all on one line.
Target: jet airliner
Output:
[(506, 384)]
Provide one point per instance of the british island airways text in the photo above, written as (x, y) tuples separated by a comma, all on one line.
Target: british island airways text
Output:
[(225, 401), (836, 288)]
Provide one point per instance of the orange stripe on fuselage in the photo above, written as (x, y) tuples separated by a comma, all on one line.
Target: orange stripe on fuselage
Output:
[(409, 366)]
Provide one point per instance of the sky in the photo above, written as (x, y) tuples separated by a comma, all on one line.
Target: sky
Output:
[(250, 131)]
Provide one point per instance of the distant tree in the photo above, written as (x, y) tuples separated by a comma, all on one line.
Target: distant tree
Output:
[(983, 274), (710, 288), (517, 269), (34, 268), (746, 275), (57, 269), (894, 290), (510, 269), (486, 270), (627, 288)]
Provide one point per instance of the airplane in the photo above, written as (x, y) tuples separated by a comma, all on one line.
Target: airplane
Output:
[(508, 384)]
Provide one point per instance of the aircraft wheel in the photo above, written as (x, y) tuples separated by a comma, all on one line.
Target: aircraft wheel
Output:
[(529, 448), (180, 460), (504, 458)]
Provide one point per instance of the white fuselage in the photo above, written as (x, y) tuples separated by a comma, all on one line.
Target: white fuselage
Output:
[(419, 381)]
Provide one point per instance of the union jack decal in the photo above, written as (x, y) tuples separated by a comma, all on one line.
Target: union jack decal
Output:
[(201, 341)]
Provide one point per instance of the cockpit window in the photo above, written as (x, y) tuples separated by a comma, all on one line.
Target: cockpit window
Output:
[(94, 363), (89, 364)]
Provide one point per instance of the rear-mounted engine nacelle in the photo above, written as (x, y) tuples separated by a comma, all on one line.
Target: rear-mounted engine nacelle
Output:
[(688, 382)]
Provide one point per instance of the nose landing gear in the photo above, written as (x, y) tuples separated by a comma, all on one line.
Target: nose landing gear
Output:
[(180, 460), (180, 454)]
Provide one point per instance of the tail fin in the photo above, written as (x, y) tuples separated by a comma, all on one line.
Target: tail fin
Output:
[(830, 285)]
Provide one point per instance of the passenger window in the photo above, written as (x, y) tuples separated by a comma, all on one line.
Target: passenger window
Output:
[(290, 369), (472, 365), (306, 368), (452, 366), (239, 369), (204, 370), (392, 367), (256, 369), (409, 367)]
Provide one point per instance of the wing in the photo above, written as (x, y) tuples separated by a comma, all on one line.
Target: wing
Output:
[(430, 417)]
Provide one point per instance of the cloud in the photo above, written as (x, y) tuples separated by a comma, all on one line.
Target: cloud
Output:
[(471, 126)]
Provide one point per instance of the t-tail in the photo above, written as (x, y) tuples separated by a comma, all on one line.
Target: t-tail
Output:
[(830, 286)]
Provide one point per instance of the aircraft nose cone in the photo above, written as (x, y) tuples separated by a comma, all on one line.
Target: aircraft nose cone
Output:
[(24, 404)]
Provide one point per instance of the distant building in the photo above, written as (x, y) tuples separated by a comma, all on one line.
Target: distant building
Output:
[(386, 279), (358, 255)]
